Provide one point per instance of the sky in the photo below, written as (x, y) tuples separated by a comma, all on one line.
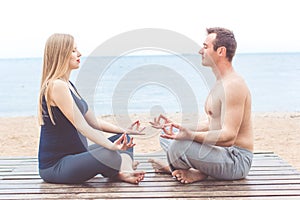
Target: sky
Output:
[(259, 25)]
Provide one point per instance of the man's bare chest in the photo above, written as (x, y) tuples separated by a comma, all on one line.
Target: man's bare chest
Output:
[(213, 105)]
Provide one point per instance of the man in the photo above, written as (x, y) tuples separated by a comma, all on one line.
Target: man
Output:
[(222, 146)]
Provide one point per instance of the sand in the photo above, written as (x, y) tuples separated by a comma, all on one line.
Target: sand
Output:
[(274, 132)]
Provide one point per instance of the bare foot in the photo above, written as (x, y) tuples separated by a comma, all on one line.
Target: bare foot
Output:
[(135, 165), (160, 166), (188, 175), (131, 177)]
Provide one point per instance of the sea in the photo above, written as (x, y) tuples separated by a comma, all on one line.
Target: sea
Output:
[(154, 83)]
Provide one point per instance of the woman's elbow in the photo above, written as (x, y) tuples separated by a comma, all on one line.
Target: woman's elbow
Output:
[(82, 127)]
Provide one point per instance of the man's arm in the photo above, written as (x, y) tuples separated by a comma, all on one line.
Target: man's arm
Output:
[(202, 126), (232, 111)]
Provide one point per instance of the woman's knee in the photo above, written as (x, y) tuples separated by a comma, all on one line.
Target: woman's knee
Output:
[(107, 157)]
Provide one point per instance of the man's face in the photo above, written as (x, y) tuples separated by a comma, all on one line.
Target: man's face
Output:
[(207, 51)]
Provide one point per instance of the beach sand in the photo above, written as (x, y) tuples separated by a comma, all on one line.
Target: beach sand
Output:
[(273, 132)]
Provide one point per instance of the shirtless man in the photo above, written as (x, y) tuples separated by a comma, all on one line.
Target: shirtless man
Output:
[(221, 146)]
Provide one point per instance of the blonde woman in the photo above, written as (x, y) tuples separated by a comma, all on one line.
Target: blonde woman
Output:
[(66, 123)]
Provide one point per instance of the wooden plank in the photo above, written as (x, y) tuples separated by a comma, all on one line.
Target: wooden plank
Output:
[(270, 178), (148, 168), (145, 158), (35, 163), (101, 182), (178, 188), (262, 177), (169, 195)]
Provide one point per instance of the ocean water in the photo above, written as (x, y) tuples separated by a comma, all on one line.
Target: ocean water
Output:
[(167, 83)]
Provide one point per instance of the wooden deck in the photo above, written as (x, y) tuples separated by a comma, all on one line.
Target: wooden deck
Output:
[(270, 178)]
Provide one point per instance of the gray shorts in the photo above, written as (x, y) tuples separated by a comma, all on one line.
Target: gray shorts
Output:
[(224, 163)]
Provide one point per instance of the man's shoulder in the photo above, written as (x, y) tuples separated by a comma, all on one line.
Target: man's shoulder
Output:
[(236, 86), (235, 81)]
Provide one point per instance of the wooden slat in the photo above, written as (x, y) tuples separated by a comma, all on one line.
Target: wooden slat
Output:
[(270, 178), (168, 195), (177, 188)]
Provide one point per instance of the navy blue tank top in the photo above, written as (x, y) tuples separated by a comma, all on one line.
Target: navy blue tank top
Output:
[(61, 139)]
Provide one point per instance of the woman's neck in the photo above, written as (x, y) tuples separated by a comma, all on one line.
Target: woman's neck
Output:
[(66, 77)]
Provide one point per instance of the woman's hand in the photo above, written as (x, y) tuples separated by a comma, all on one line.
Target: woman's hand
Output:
[(122, 143), (156, 122), (135, 129)]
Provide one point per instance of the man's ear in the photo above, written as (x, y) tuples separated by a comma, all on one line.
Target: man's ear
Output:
[(222, 51)]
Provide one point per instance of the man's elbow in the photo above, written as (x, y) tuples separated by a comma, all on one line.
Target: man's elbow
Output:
[(228, 143), (225, 143), (228, 139)]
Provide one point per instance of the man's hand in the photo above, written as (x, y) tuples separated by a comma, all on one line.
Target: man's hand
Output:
[(157, 124), (183, 134)]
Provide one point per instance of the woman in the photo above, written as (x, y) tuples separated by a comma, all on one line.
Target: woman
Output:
[(66, 121)]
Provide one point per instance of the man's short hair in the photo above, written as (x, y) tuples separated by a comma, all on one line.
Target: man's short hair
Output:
[(224, 37)]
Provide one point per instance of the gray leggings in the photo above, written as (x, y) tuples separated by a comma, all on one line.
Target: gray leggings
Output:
[(81, 167), (225, 163)]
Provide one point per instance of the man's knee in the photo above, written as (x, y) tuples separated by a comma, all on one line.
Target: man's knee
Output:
[(177, 155), (180, 145), (186, 150), (178, 148)]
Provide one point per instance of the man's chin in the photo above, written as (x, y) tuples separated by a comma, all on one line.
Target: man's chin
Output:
[(204, 64)]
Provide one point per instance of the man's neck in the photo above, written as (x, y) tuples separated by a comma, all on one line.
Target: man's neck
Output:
[(222, 69)]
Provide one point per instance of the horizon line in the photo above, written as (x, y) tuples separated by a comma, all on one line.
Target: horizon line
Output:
[(137, 55)]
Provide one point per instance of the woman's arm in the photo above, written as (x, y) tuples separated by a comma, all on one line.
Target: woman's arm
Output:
[(101, 124), (61, 97)]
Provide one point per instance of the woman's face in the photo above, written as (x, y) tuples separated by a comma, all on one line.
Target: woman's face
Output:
[(75, 58)]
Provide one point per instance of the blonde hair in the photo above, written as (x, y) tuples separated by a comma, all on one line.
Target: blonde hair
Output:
[(57, 54)]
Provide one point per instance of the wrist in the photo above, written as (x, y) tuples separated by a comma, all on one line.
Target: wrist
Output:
[(122, 130), (191, 135), (113, 147)]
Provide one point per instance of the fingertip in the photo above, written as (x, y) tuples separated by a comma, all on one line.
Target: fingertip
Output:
[(133, 145)]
